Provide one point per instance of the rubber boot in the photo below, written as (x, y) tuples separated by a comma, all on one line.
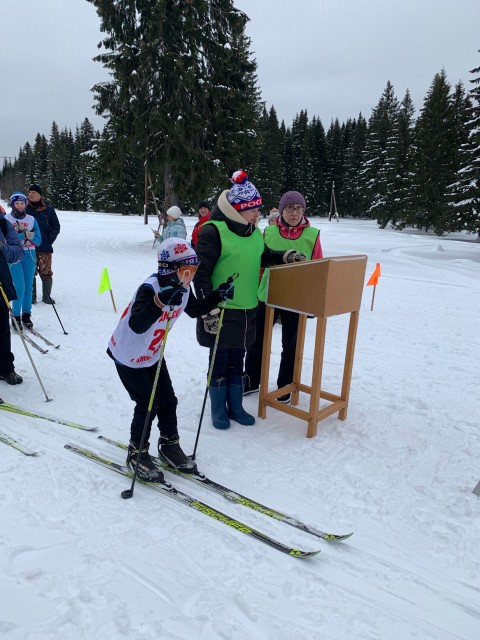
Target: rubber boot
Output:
[(218, 404), (234, 402), (47, 291)]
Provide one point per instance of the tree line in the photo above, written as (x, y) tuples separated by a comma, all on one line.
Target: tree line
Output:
[(183, 110)]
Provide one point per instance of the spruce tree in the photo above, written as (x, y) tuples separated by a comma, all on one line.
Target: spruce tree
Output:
[(269, 169), (372, 178), (393, 181), (466, 189), (436, 157), (334, 158), (352, 202), (183, 94), (40, 154), (317, 152)]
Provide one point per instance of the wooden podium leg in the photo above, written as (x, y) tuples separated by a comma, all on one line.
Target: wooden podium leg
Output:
[(266, 351), (316, 376), (347, 370), (297, 369)]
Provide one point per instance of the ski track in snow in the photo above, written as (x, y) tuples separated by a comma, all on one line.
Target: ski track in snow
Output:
[(78, 562)]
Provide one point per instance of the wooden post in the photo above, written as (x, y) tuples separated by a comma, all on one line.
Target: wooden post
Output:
[(333, 204), (145, 197), (267, 341)]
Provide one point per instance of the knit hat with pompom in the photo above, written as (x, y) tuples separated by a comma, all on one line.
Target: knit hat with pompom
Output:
[(243, 195)]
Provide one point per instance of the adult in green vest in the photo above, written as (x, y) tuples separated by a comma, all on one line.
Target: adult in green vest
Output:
[(291, 230), (231, 243)]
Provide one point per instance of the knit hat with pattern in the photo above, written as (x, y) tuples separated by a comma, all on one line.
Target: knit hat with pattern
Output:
[(243, 195), (173, 253)]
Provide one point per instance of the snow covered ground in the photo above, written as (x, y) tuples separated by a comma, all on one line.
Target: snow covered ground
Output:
[(79, 563)]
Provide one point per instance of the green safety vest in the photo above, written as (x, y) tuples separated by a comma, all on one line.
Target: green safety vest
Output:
[(242, 255), (304, 244)]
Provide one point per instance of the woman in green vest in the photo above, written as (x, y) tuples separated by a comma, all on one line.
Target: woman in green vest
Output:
[(230, 243), (291, 230)]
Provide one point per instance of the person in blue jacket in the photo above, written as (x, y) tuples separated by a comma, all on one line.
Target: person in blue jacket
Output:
[(49, 226), (23, 271), (10, 251)]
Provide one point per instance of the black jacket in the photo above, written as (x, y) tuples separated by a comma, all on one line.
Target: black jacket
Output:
[(48, 223), (238, 329)]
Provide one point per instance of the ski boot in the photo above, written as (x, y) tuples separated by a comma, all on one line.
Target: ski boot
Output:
[(169, 451), (146, 468)]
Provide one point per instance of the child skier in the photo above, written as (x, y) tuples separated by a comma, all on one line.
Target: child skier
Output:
[(23, 271), (135, 347)]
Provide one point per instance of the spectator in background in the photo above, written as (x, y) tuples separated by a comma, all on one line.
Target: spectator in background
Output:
[(273, 215), (175, 227), (49, 226), (203, 216), (10, 252), (23, 271)]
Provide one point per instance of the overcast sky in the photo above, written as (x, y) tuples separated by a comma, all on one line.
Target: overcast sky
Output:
[(331, 57)]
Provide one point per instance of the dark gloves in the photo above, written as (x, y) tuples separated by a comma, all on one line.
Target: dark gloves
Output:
[(172, 295), (293, 256), (211, 321), (226, 290)]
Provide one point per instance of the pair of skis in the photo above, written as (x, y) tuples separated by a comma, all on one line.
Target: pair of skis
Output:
[(170, 491), (26, 331), (7, 439)]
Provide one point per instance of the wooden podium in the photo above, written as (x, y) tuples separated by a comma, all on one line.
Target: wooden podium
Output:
[(319, 289)]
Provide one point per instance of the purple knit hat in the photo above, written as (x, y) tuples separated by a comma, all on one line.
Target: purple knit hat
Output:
[(290, 198)]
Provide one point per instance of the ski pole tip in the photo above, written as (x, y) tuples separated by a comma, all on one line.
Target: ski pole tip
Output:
[(128, 493)]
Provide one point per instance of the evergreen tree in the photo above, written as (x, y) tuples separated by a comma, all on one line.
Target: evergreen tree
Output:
[(183, 94), (393, 181), (317, 153), (40, 154), (466, 188), (25, 164), (350, 194), (334, 158), (115, 191), (85, 156), (300, 169), (372, 180), (288, 164), (269, 169), (436, 157)]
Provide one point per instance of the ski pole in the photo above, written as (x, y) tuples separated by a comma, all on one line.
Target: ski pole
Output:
[(210, 369), (56, 313), (128, 493), (20, 333)]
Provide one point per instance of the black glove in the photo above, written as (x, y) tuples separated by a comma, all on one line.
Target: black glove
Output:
[(172, 295), (226, 290), (293, 256), (211, 321)]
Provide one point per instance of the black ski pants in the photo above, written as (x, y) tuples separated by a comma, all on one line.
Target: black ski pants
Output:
[(228, 364), (6, 355), (139, 384), (253, 360)]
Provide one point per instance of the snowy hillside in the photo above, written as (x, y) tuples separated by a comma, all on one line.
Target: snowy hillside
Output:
[(79, 563)]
